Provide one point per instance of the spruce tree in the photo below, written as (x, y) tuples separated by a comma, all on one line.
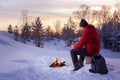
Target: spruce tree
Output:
[(38, 33), (68, 31), (48, 33), (10, 28), (25, 35), (16, 33)]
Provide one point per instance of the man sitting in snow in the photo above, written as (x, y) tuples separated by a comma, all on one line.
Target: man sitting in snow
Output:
[(90, 40)]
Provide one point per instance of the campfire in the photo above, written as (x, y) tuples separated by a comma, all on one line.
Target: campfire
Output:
[(57, 63)]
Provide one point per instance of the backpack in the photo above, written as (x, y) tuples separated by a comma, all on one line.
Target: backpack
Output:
[(98, 65)]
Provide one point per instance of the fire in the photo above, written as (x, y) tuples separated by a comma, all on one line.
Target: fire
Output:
[(57, 63)]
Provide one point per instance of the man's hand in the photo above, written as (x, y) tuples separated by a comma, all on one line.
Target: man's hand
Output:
[(77, 39), (72, 46)]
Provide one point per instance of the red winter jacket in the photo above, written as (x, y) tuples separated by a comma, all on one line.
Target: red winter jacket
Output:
[(90, 39)]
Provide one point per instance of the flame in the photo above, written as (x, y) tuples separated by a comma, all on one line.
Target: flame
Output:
[(57, 63)]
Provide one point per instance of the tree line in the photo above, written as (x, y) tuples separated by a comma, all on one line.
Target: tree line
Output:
[(107, 24), (37, 33)]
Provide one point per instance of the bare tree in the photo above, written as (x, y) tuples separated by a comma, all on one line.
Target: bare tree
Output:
[(105, 13), (57, 26), (57, 29), (82, 12), (116, 15), (24, 16)]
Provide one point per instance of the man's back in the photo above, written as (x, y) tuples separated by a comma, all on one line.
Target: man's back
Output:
[(92, 39)]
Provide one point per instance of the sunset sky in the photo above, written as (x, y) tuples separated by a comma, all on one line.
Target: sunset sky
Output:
[(48, 10)]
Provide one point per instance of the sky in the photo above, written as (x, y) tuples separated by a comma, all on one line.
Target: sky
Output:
[(47, 10)]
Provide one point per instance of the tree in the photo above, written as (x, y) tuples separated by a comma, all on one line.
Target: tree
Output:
[(10, 28), (48, 33), (82, 12), (16, 33), (38, 33), (116, 35), (68, 31), (111, 36), (57, 29), (117, 10), (96, 17), (105, 13), (57, 26), (25, 35), (24, 16)]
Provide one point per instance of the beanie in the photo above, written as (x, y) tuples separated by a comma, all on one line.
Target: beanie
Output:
[(83, 23)]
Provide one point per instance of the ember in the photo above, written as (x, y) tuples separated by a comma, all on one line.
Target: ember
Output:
[(57, 63)]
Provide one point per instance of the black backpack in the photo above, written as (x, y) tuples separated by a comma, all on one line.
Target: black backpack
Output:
[(98, 65)]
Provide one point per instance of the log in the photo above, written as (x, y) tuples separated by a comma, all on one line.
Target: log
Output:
[(88, 59)]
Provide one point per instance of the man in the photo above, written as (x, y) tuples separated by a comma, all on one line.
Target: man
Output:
[(88, 45)]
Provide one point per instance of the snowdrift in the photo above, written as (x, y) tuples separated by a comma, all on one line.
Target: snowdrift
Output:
[(26, 62)]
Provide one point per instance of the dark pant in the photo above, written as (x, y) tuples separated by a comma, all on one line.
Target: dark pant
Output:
[(82, 52)]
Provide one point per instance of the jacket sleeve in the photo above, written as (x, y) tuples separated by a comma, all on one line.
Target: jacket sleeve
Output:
[(83, 39)]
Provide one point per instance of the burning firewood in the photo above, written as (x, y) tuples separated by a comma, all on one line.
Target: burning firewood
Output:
[(56, 63)]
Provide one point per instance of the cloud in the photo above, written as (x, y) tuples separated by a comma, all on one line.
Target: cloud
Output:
[(102, 2), (51, 5), (45, 8)]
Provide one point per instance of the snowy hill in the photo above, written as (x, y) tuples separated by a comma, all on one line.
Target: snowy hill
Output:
[(27, 62)]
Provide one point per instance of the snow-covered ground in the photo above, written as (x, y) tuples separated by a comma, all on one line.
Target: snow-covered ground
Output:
[(27, 62)]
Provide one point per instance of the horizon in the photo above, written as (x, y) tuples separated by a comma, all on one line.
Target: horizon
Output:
[(48, 11)]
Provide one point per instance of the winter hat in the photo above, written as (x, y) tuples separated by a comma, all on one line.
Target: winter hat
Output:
[(83, 23)]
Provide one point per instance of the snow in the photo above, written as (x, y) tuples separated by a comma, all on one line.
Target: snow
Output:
[(19, 61)]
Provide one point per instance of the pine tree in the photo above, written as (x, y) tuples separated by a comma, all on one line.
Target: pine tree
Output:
[(111, 35), (10, 28), (38, 33), (48, 33), (16, 33), (106, 34), (25, 35), (68, 31), (116, 36)]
